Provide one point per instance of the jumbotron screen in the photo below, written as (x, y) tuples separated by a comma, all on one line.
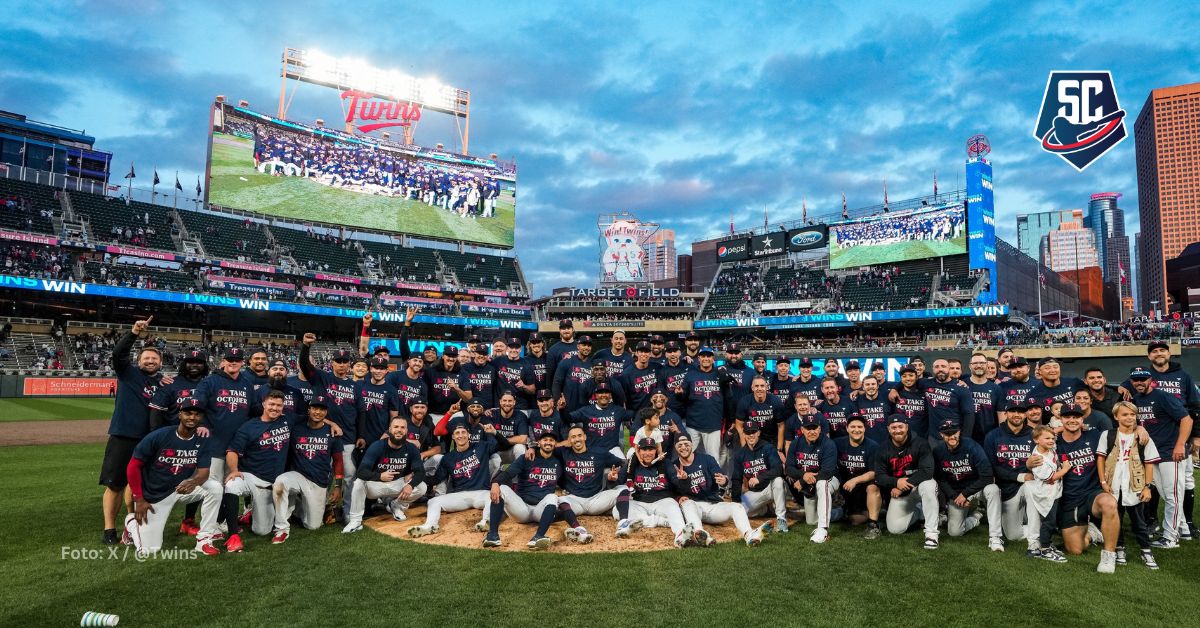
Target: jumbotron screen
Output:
[(260, 164), (893, 238)]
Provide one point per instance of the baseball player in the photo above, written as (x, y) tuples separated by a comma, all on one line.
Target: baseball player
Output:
[(310, 472), (1009, 447), (756, 478), (698, 477), (167, 468), (874, 408), (964, 476), (789, 430), (421, 434), (477, 380), (986, 395), (464, 469), (1016, 388), (229, 402), (615, 358), (566, 347), (947, 399), (544, 418), (342, 392), (384, 472), (511, 427), (130, 420), (856, 474), (571, 376), (584, 473), (761, 408), (535, 355), (514, 374), (256, 456), (378, 404), (602, 421), (535, 479), (640, 378), (294, 410), (811, 470), (478, 427), (701, 394), (904, 471), (1170, 426), (835, 406), (164, 405), (650, 499), (256, 367), (671, 372), (807, 384)]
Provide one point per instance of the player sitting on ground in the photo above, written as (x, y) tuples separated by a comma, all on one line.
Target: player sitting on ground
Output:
[(584, 473), (536, 479), (698, 477), (464, 469), (390, 468), (757, 478), (651, 499)]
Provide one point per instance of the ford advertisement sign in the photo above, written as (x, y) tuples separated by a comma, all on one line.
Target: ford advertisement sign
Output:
[(808, 238)]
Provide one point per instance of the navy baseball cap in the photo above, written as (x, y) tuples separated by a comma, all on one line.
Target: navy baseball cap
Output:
[(878, 366), (656, 339), (672, 346), (191, 403), (547, 434), (658, 390), (1157, 344), (535, 339), (475, 402), (805, 363), (692, 336), (319, 401), (234, 354), (514, 343), (544, 394), (419, 402), (907, 369), (277, 362), (642, 346), (1016, 406), (647, 443), (751, 428), (566, 324), (897, 417), (584, 340), (1139, 372), (810, 421), (783, 359), (759, 356), (917, 358), (429, 349), (1046, 360), (704, 350), (852, 365), (451, 351), (1032, 403), (1070, 409), (341, 355), (948, 427), (602, 387), (379, 362), (384, 349), (733, 347), (474, 338), (682, 436), (196, 355), (1017, 361)]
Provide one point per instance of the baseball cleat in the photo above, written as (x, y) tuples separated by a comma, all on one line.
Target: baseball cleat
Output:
[(351, 528), (996, 545), (482, 526), (781, 525), (189, 527), (491, 541), (1148, 559), (1121, 558), (399, 515), (579, 535), (1164, 544), (279, 538), (244, 520), (754, 537), (703, 538), (820, 535), (873, 532), (931, 543), (207, 548), (1185, 532), (687, 534), (234, 544), (540, 543), (626, 526), (1051, 554), (1108, 562), (682, 541), (417, 532), (126, 539), (217, 536)]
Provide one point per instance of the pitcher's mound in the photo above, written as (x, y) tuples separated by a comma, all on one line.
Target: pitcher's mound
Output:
[(457, 529)]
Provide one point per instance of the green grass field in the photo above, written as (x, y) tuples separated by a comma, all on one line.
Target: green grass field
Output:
[(323, 578), (236, 184), (866, 255), (55, 408)]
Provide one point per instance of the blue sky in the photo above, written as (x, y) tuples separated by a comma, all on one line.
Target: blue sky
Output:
[(682, 113)]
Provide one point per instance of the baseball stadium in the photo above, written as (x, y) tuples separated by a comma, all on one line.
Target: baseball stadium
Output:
[(325, 378)]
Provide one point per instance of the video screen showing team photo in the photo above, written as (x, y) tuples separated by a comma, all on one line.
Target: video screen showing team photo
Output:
[(309, 174), (898, 237)]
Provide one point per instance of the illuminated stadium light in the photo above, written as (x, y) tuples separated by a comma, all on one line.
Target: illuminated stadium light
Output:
[(350, 74)]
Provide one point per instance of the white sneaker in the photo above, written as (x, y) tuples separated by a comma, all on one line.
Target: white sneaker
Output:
[(754, 537), (420, 531), (351, 528), (1094, 534), (482, 526), (996, 545), (626, 526), (398, 515), (970, 523), (820, 535), (1108, 562), (540, 543)]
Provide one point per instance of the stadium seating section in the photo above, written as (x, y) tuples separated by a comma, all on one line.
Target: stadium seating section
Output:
[(906, 291), (305, 248), (481, 271), (220, 236), (139, 276), (105, 212), (404, 263), (958, 282), (40, 198)]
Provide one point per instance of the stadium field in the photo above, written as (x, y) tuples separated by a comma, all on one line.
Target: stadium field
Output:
[(236, 184), (57, 570), (868, 255), (55, 408)]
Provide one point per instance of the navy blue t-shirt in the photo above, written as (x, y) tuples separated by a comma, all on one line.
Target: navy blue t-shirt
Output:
[(510, 375), (766, 414), (1082, 480), (312, 452), (533, 479), (480, 381), (701, 481), (704, 401), (376, 402), (168, 460), (639, 384), (603, 426), (135, 389), (467, 470), (874, 413), (342, 395), (583, 474), (1160, 413), (262, 448), (408, 389), (854, 460), (227, 402)]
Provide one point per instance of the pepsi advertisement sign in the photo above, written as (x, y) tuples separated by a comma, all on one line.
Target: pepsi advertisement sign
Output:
[(733, 250), (808, 238)]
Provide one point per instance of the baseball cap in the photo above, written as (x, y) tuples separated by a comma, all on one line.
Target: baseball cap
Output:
[(451, 351), (733, 347), (704, 350), (672, 346), (378, 362), (783, 359), (647, 443), (196, 355), (1139, 372), (948, 427), (692, 336), (419, 402), (917, 358), (191, 403), (810, 420), (475, 402), (878, 366), (535, 339), (1157, 344), (1046, 360), (474, 338), (584, 340), (1032, 403), (758, 356), (1015, 406), (341, 355), (319, 401), (566, 324), (1017, 361), (429, 349), (234, 354), (897, 417), (682, 436), (547, 434), (907, 369), (277, 362), (656, 339), (544, 394), (514, 343), (602, 387), (751, 428), (382, 349), (658, 390), (642, 346), (805, 363), (1070, 409), (853, 365), (258, 350)]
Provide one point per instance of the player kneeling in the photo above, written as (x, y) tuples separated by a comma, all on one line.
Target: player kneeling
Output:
[(310, 474), (758, 478), (166, 469), (464, 469), (811, 470), (385, 471), (698, 477), (256, 457), (651, 498), (862, 500)]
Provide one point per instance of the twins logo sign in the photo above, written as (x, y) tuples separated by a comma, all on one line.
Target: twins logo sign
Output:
[(1080, 119)]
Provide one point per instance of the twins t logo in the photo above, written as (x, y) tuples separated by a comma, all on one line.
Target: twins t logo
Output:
[(1080, 119)]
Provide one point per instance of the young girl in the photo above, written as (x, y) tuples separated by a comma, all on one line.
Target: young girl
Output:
[(1126, 470), (651, 428), (1042, 494)]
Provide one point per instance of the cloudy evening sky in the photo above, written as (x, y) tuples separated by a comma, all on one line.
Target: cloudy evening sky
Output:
[(681, 113)]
